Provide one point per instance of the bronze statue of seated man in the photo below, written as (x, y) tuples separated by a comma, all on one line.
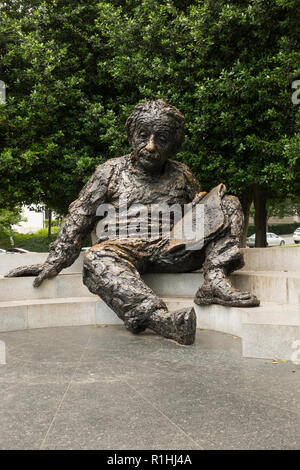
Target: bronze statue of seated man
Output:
[(112, 267)]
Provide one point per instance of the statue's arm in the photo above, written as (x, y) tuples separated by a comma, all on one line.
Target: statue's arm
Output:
[(193, 186), (78, 224)]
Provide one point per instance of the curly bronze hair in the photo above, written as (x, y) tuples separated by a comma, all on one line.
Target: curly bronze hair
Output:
[(155, 109)]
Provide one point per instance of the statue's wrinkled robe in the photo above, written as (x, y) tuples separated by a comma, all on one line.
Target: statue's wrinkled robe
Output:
[(118, 180)]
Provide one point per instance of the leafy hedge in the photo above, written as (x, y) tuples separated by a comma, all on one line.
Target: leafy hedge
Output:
[(75, 69), (54, 223), (38, 242), (279, 229)]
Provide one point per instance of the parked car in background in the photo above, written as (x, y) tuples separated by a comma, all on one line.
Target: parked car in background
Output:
[(296, 235), (17, 250), (2, 252), (272, 240)]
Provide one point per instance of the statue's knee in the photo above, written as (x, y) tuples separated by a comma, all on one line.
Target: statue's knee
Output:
[(233, 209), (231, 203), (234, 215)]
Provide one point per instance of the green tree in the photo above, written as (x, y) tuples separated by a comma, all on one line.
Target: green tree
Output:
[(75, 69), (229, 67), (51, 124), (9, 218), (283, 207)]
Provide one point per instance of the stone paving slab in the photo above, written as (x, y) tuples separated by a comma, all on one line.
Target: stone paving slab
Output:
[(103, 388)]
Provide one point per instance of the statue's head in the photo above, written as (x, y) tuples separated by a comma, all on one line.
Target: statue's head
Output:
[(155, 130)]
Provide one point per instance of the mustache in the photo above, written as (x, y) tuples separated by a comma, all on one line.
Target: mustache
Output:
[(146, 154)]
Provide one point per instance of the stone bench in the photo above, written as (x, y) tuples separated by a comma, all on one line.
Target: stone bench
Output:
[(267, 331)]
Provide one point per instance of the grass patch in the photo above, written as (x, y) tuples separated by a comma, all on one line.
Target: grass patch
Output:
[(289, 246), (38, 242)]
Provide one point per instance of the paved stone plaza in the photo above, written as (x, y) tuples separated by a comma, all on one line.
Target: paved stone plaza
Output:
[(88, 387)]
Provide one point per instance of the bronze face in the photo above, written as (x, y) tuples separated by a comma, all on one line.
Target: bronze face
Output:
[(153, 142)]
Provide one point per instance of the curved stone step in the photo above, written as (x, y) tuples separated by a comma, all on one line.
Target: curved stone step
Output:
[(276, 286), (68, 311), (268, 331), (272, 259), (270, 286), (256, 259), (70, 285)]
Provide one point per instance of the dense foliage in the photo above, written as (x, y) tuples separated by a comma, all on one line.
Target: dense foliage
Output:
[(285, 207), (75, 69), (279, 229), (38, 242), (8, 218)]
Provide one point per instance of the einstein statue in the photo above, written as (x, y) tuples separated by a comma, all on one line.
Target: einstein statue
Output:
[(149, 176)]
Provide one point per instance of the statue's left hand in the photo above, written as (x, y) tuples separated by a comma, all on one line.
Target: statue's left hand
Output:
[(42, 271)]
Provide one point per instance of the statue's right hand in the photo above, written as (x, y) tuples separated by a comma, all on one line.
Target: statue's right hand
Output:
[(42, 271)]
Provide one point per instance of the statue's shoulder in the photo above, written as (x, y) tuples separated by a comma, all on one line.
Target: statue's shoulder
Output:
[(188, 176), (112, 165), (179, 166)]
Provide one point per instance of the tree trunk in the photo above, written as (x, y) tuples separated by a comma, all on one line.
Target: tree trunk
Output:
[(246, 201), (49, 222), (260, 217)]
